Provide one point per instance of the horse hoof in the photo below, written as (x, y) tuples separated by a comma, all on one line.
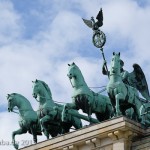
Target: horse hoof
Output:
[(118, 114), (16, 146), (139, 120), (35, 141)]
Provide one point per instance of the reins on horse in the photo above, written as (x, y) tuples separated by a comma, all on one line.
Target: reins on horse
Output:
[(143, 100), (37, 100), (72, 86), (50, 99), (18, 109), (97, 87), (115, 75), (70, 82), (102, 90), (15, 112)]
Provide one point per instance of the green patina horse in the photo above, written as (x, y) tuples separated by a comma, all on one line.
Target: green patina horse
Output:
[(122, 96), (28, 117), (145, 113), (84, 98), (51, 113)]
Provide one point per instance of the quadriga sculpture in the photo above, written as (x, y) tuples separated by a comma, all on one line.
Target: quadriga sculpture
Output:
[(122, 96), (51, 113), (84, 98), (28, 117)]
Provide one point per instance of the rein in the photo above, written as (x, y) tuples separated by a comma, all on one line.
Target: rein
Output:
[(50, 99), (99, 87), (15, 112), (19, 109), (102, 90), (37, 100), (71, 83), (115, 75)]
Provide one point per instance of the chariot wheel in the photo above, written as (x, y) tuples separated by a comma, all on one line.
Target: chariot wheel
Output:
[(99, 39)]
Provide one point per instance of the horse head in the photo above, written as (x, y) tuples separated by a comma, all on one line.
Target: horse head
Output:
[(115, 64), (11, 101), (36, 88), (72, 70), (42, 92), (75, 75), (19, 101)]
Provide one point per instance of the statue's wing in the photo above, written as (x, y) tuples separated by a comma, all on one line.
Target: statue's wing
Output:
[(100, 15), (137, 79), (100, 18), (88, 23)]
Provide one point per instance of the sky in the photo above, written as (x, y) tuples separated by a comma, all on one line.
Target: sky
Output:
[(39, 38)]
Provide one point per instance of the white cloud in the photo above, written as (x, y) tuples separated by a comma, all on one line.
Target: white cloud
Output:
[(128, 20), (10, 26)]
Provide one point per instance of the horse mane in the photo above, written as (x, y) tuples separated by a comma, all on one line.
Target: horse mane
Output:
[(23, 101), (21, 96), (17, 94), (46, 87), (80, 73)]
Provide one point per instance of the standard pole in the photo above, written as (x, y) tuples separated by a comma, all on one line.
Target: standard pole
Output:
[(105, 61)]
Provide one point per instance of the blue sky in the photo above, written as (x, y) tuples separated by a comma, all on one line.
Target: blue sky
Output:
[(39, 38)]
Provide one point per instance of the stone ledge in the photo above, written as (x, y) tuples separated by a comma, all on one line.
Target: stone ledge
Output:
[(113, 129), (141, 143)]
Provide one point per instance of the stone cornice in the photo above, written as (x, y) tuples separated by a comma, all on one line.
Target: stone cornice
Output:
[(113, 129)]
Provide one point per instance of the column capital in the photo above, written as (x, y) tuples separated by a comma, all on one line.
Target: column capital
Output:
[(112, 136)]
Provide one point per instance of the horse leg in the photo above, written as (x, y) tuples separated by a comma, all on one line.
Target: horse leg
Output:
[(44, 123), (136, 109), (64, 114), (109, 111), (33, 131), (114, 111), (66, 128), (70, 105), (89, 115), (17, 132), (118, 98), (76, 122)]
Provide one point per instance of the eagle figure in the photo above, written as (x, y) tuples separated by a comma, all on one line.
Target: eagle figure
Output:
[(95, 25)]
